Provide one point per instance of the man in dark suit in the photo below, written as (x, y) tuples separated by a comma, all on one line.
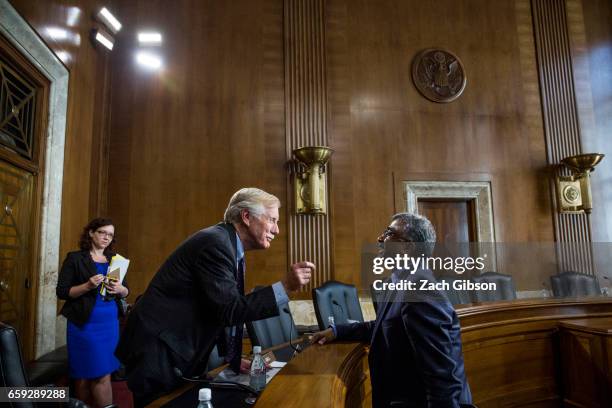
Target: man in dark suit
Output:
[(196, 299), (415, 354)]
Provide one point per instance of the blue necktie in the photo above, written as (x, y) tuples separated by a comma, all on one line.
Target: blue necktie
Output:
[(234, 342)]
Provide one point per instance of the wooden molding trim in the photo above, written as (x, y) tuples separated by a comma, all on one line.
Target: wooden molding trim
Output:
[(306, 125), (560, 112)]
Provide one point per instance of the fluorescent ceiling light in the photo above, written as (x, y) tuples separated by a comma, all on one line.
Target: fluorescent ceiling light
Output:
[(57, 33), (104, 39), (148, 60), (62, 35), (149, 38), (73, 16), (107, 18)]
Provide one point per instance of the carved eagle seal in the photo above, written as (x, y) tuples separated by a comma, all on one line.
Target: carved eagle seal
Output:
[(438, 75)]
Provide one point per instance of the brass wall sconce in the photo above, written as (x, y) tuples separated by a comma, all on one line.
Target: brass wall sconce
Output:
[(574, 192), (310, 179)]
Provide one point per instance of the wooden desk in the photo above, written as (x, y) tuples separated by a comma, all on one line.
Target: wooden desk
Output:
[(511, 353), (334, 375), (586, 359), (511, 349)]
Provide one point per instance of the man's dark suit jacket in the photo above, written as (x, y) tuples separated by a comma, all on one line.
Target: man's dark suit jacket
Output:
[(184, 310), (415, 354)]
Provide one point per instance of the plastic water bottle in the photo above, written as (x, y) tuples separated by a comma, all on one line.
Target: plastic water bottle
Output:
[(205, 397), (258, 370)]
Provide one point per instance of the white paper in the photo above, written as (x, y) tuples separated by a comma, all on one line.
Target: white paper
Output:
[(277, 364), (120, 263)]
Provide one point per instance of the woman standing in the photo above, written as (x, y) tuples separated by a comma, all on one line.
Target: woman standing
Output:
[(93, 325)]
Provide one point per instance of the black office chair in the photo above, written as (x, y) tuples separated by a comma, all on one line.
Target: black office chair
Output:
[(377, 297), (456, 296), (338, 300), (12, 370), (273, 330), (574, 284), (504, 291)]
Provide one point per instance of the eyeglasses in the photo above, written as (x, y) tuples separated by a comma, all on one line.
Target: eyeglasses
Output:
[(391, 233), (105, 234)]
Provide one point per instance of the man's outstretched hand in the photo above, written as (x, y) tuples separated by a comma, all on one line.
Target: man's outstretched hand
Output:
[(298, 275), (322, 337)]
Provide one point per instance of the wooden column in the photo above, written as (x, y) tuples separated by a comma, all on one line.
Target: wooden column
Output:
[(561, 122), (306, 124)]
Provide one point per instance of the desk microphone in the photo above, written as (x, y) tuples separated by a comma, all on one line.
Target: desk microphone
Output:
[(296, 348), (334, 302)]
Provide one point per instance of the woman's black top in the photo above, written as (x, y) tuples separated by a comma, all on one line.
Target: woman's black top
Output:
[(77, 268)]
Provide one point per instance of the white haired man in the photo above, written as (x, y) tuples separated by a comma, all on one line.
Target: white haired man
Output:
[(196, 299)]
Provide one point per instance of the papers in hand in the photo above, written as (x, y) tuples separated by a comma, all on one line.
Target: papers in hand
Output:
[(116, 271)]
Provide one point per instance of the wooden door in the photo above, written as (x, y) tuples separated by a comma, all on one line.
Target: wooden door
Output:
[(454, 221), (23, 122), (16, 208)]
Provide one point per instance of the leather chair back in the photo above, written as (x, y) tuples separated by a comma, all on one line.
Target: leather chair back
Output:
[(456, 296), (12, 371), (574, 284), (338, 300), (377, 297), (273, 330), (505, 287)]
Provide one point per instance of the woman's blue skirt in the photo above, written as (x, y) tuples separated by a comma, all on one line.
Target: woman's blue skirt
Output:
[(91, 347)]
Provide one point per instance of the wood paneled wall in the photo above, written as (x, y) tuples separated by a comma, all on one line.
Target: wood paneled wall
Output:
[(85, 102), (386, 132), (214, 120), (592, 56), (183, 140)]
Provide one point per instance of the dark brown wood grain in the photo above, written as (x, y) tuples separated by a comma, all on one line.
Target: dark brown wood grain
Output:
[(184, 139), (511, 352), (84, 63), (586, 359), (452, 220), (597, 51), (386, 132)]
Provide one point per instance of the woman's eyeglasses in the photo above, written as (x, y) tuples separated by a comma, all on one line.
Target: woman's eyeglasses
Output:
[(105, 234)]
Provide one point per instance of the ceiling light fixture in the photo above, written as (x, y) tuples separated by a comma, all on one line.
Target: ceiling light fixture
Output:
[(109, 20), (104, 38), (148, 60), (149, 38)]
